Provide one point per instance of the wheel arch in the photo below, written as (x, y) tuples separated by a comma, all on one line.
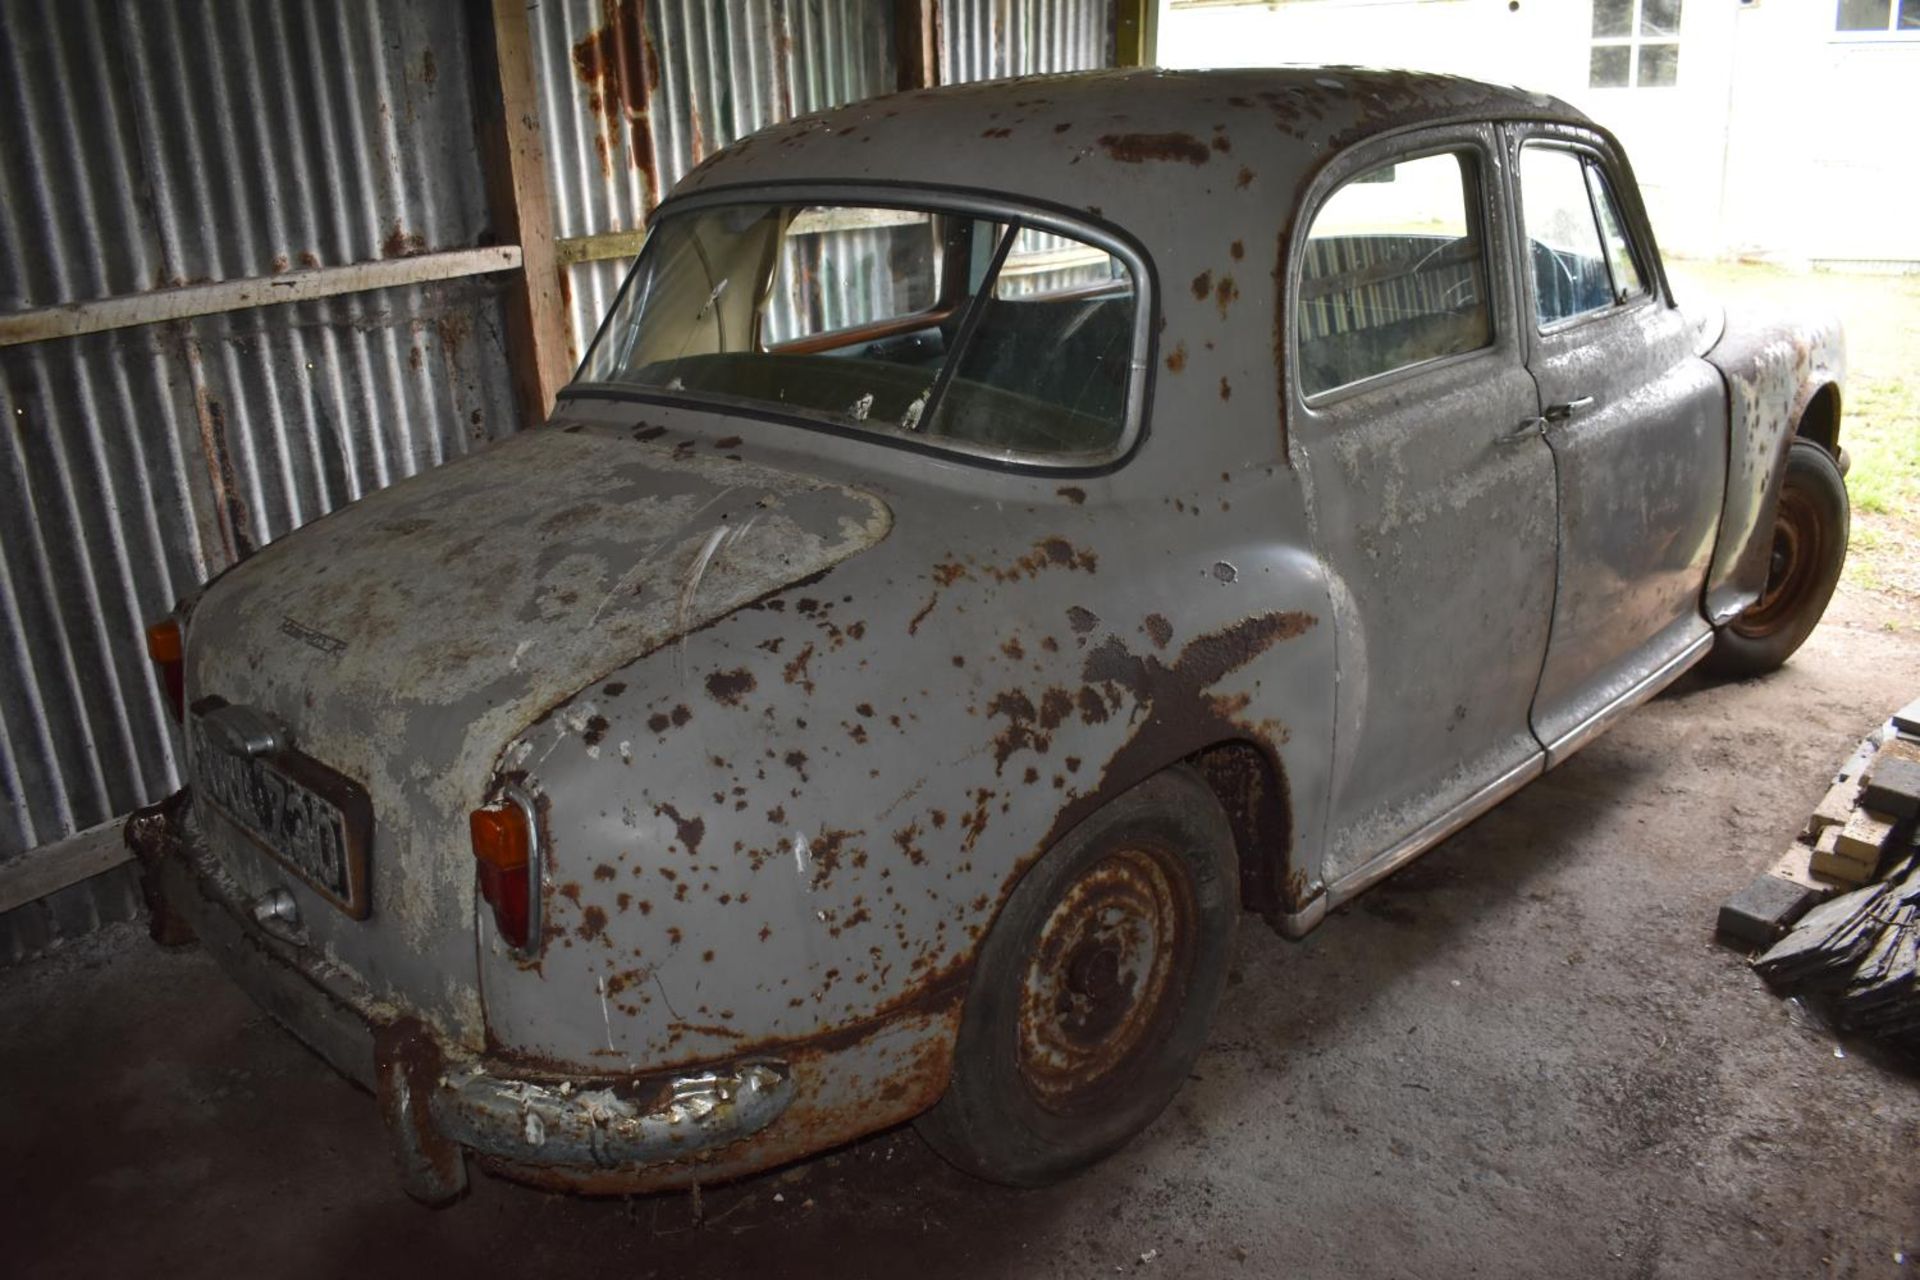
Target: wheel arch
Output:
[(1820, 418), (1250, 782)]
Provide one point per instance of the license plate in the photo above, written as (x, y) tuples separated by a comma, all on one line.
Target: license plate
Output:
[(310, 819)]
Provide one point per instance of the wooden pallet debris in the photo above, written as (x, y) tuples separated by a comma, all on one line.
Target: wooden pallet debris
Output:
[(1857, 954), (1839, 914)]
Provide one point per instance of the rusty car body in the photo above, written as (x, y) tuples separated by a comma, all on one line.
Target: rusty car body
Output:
[(795, 692)]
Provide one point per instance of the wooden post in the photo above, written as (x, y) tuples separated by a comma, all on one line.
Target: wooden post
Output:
[(514, 158), (916, 35), (1135, 32)]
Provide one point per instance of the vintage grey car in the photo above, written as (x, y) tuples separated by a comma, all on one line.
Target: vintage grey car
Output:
[(1000, 535)]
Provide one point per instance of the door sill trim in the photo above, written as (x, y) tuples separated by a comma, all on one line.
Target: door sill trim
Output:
[(1379, 867), (1650, 684)]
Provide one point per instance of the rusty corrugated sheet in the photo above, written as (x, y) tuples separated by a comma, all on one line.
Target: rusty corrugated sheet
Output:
[(635, 94), (153, 145)]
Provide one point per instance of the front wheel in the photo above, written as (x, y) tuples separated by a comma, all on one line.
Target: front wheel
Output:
[(1809, 548), (1093, 991)]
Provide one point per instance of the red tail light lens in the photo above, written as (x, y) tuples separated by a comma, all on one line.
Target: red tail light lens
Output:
[(166, 645), (503, 850)]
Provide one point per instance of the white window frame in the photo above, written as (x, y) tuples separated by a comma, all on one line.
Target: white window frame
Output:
[(1892, 31), (1633, 41)]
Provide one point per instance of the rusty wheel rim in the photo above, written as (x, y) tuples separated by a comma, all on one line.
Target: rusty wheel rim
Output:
[(1104, 980), (1793, 570)]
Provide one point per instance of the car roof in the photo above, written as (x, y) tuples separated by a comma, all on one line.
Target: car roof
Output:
[(1119, 144)]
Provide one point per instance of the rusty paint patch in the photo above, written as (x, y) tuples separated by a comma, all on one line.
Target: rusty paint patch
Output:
[(1159, 630), (1082, 620), (730, 687), (691, 830), (593, 922), (1225, 294), (1202, 286), (1139, 148), (1072, 493), (1226, 388), (1177, 358)]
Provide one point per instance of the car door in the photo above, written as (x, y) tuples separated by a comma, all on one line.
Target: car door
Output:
[(1636, 423), (1432, 500)]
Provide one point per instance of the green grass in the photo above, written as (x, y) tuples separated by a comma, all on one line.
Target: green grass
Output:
[(1881, 432)]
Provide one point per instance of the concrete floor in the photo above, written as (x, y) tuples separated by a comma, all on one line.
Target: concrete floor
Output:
[(1524, 1056)]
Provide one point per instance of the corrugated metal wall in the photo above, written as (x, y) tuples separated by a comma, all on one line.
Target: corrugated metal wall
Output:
[(155, 145), (989, 39), (719, 70)]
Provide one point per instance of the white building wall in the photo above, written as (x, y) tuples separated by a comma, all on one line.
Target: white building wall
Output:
[(1782, 137)]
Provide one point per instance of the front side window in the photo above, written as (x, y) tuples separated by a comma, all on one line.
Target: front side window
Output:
[(1582, 260), (1636, 44), (920, 323), (1393, 273)]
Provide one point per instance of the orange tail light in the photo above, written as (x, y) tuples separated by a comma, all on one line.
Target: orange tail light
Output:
[(166, 645), (503, 849)]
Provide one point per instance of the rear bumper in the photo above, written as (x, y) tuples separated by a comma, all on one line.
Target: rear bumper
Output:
[(440, 1102)]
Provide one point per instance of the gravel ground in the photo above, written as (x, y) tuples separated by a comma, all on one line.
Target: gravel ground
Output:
[(1523, 1056)]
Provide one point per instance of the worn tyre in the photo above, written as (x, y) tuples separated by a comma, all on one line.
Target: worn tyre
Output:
[(1809, 549), (1093, 991)]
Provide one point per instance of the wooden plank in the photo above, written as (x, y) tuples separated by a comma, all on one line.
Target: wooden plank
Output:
[(598, 248), (916, 36), (539, 343), (53, 867), (127, 310)]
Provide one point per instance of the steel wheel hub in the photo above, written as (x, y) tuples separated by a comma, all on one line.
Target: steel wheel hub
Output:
[(1793, 567), (1105, 977)]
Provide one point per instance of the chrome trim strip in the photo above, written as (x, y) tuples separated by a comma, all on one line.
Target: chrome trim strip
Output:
[(1656, 680), (1362, 878), (517, 796)]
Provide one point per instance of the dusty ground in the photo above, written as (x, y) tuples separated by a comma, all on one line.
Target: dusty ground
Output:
[(1524, 1056)]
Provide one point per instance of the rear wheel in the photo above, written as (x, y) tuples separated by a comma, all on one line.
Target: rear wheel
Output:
[(1809, 548), (1093, 992)]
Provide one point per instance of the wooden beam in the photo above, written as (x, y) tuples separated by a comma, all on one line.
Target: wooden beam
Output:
[(916, 36), (539, 343), (598, 248), (1135, 32), (96, 315), (52, 867)]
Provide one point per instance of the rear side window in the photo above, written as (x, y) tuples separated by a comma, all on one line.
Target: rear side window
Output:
[(1582, 260), (1394, 273)]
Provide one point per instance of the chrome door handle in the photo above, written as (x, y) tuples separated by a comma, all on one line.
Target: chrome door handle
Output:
[(1561, 412), (1529, 429)]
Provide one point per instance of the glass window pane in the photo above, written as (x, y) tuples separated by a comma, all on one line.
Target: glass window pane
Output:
[(861, 316), (1608, 70), (1393, 274), (1659, 17), (1909, 15), (1659, 65), (1865, 15), (1613, 17), (846, 268), (1569, 274), (1627, 280), (1048, 366)]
